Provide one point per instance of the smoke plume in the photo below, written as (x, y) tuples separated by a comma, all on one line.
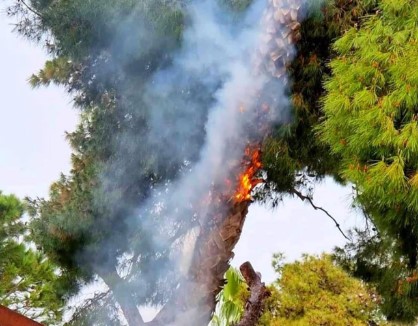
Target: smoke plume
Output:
[(201, 106)]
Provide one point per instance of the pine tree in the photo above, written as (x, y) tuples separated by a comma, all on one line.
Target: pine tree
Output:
[(370, 121), (373, 258), (85, 210), (29, 282), (294, 157)]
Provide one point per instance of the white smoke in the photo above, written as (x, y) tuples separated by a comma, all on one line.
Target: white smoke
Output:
[(219, 53)]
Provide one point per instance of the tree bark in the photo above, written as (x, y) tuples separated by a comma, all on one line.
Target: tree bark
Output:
[(124, 299), (195, 300), (130, 310), (258, 293)]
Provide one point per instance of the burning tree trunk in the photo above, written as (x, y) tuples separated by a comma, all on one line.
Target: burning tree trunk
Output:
[(195, 299)]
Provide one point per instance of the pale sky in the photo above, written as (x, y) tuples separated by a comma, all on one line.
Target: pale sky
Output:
[(33, 153), (33, 150)]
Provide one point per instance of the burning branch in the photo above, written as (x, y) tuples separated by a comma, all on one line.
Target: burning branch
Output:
[(258, 293), (247, 182)]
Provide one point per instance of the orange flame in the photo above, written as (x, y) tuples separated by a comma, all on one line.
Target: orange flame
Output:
[(246, 179)]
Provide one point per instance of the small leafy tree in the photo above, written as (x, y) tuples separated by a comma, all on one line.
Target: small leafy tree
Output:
[(313, 291)]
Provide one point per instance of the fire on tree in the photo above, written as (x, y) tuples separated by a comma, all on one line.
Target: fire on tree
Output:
[(218, 237), (195, 297)]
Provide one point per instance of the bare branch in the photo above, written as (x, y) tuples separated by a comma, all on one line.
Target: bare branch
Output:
[(31, 9), (91, 302), (309, 199)]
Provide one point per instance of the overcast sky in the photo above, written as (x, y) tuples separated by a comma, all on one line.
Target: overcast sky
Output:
[(33, 152)]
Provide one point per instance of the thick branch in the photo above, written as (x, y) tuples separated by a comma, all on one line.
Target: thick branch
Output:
[(89, 303), (258, 293), (309, 199), (125, 300)]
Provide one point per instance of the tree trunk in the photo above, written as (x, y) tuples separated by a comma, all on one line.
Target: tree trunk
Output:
[(258, 293), (195, 300), (123, 298), (129, 309)]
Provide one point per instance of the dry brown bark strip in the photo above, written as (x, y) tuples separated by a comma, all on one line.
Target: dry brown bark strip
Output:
[(258, 293)]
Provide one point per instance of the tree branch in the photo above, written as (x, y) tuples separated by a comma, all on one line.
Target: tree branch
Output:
[(309, 199), (258, 293), (86, 305), (31, 9), (125, 300)]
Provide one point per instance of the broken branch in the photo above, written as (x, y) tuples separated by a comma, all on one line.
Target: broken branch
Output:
[(258, 293)]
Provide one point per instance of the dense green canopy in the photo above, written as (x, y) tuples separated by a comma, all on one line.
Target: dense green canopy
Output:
[(370, 122), (370, 109)]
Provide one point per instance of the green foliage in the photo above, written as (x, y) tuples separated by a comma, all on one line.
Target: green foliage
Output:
[(314, 291), (370, 110), (104, 53), (99, 50), (231, 299), (99, 53), (295, 147), (373, 258), (29, 282)]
